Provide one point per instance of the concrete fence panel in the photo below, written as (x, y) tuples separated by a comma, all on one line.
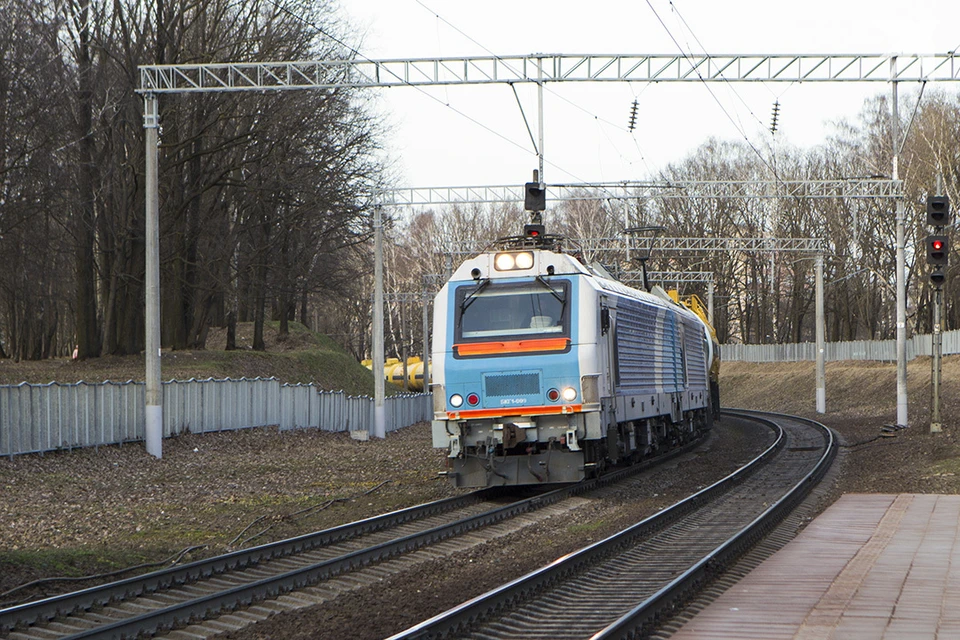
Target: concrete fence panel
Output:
[(36, 418), (881, 350)]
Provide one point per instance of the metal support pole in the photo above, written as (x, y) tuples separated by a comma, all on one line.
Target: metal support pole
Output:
[(540, 118), (447, 267), (902, 418), (627, 225), (821, 340), (937, 335), (404, 353), (379, 391), (426, 338), (710, 292), (153, 410)]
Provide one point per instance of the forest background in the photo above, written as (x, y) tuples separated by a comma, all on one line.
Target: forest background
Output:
[(266, 200)]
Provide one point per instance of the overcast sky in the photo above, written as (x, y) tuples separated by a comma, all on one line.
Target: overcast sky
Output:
[(586, 136)]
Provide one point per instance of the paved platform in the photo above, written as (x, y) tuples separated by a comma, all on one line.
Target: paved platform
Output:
[(871, 566)]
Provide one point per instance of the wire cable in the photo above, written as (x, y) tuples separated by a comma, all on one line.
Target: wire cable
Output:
[(729, 84), (916, 108), (359, 55), (696, 70), (546, 88)]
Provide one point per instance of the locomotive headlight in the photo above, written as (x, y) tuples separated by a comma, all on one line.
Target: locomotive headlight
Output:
[(513, 261), (524, 260), (456, 400), (505, 262), (569, 394)]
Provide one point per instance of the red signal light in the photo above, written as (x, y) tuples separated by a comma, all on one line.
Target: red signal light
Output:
[(533, 230), (938, 248)]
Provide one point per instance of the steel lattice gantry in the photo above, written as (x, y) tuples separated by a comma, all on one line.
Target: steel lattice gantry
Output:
[(853, 188), (535, 68), (358, 72), (744, 245)]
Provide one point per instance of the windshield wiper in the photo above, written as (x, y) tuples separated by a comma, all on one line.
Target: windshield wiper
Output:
[(472, 296), (558, 296)]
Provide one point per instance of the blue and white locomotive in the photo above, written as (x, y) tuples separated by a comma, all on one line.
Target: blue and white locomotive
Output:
[(548, 370)]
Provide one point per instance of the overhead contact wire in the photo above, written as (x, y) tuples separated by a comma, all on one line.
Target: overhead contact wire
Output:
[(696, 70), (554, 93), (357, 53)]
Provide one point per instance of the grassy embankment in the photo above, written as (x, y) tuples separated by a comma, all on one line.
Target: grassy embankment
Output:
[(303, 356)]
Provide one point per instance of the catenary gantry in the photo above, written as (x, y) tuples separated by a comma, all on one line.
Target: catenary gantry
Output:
[(535, 68), (853, 188), (359, 72)]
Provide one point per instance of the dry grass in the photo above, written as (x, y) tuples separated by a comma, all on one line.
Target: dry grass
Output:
[(303, 356), (853, 389), (71, 513)]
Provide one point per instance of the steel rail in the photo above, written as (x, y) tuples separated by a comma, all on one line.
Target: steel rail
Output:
[(48, 608), (206, 605), (643, 618), (458, 619)]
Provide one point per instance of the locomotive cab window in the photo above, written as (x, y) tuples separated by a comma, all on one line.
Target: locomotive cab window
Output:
[(491, 311)]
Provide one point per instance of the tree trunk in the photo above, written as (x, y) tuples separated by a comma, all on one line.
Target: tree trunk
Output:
[(85, 218), (304, 319), (284, 331), (231, 331), (258, 313)]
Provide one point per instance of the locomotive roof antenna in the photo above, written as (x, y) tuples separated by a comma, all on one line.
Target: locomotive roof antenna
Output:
[(654, 230)]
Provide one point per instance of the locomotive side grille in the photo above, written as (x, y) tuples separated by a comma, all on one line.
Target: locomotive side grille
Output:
[(512, 384)]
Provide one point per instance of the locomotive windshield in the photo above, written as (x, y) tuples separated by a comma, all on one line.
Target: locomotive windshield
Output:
[(490, 310)]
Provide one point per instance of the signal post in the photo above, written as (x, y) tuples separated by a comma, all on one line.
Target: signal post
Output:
[(937, 246)]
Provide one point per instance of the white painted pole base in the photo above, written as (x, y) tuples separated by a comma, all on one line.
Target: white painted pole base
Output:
[(380, 422), (821, 400), (154, 431)]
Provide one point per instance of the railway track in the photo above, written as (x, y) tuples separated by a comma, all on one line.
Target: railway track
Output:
[(329, 560), (621, 586)]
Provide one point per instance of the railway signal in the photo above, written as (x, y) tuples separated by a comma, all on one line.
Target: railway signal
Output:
[(535, 198), (937, 249), (938, 245), (533, 230), (938, 211)]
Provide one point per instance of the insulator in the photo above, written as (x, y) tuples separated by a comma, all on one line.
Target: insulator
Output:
[(633, 116), (775, 116)]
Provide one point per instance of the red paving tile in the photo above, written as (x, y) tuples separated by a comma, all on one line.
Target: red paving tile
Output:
[(872, 566)]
